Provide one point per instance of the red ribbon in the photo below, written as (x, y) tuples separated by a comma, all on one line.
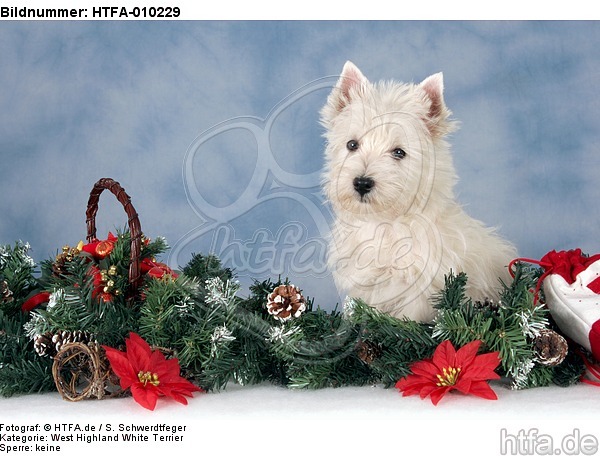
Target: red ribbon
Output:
[(35, 301), (100, 249), (592, 368), (155, 269)]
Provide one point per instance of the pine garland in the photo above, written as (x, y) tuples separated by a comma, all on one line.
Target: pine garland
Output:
[(399, 342), (221, 338), (204, 267), (318, 350), (16, 276), (508, 327), (21, 370), (167, 312)]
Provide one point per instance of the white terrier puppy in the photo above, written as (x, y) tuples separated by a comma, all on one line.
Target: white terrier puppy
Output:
[(389, 178)]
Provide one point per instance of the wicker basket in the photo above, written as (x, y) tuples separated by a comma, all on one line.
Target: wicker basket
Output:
[(81, 370), (133, 221)]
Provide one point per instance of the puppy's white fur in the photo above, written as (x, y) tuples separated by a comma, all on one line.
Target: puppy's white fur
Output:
[(393, 245)]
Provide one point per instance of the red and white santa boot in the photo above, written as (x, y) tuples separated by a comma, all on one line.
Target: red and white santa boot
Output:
[(572, 291)]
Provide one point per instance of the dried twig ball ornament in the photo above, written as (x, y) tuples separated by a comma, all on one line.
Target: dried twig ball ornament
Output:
[(81, 371), (551, 348), (285, 302)]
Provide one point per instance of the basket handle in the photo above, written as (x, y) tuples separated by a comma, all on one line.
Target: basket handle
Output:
[(133, 221)]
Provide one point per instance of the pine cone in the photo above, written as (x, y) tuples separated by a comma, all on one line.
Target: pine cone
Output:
[(285, 302), (42, 345), (5, 294), (48, 344), (551, 348), (368, 351), (487, 304)]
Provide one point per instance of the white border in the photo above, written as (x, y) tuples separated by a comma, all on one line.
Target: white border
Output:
[(341, 10)]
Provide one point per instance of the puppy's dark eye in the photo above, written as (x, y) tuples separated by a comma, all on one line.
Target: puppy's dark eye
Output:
[(352, 145), (398, 153)]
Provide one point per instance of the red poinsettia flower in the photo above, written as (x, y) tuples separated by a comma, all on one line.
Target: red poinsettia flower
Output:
[(148, 373), (100, 249), (448, 370), (155, 269)]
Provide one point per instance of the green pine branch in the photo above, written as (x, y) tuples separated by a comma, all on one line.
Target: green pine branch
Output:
[(400, 342), (22, 371), (17, 275)]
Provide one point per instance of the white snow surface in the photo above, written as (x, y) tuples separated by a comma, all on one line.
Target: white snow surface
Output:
[(350, 420)]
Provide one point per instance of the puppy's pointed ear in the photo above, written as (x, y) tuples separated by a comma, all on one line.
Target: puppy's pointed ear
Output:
[(349, 85), (438, 115), (351, 78)]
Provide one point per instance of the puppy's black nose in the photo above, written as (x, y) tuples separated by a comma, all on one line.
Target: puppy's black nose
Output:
[(363, 185)]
